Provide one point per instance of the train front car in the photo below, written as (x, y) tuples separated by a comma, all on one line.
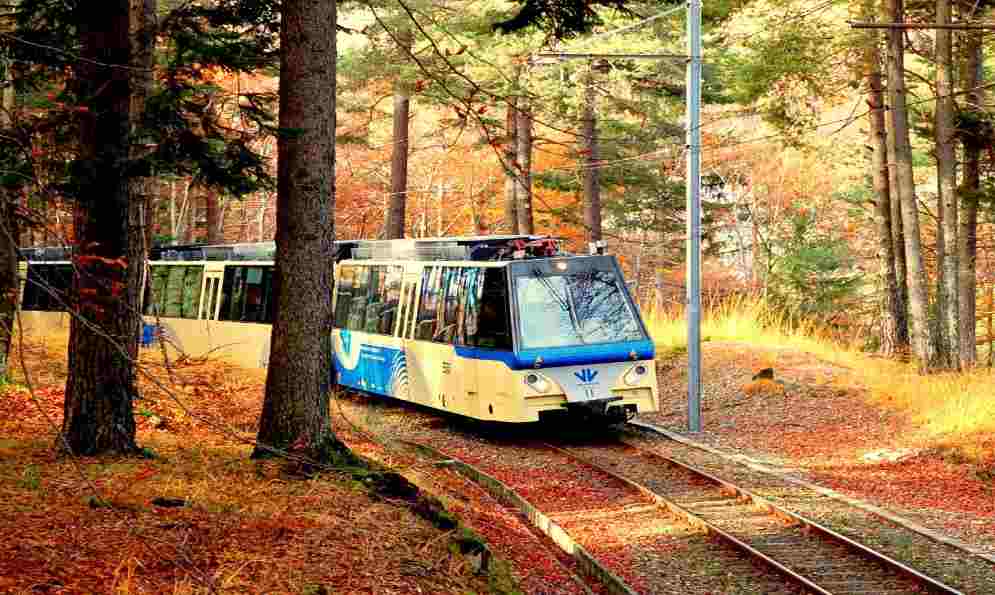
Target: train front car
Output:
[(580, 345)]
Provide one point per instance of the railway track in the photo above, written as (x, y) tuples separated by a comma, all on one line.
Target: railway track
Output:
[(811, 555), (664, 526)]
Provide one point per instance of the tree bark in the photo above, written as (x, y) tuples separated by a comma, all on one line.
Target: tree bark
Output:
[(946, 169), (399, 157), (398, 168), (967, 239), (592, 158), (298, 382), (897, 242), (100, 388), (9, 230), (923, 345), (213, 216), (511, 168), (523, 193), (143, 25), (877, 138)]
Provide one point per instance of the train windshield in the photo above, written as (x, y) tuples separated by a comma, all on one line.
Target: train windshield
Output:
[(574, 307)]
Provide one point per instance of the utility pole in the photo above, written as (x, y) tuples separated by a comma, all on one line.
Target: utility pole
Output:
[(693, 185)]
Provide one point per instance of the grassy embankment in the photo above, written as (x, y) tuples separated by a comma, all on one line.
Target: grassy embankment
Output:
[(955, 410)]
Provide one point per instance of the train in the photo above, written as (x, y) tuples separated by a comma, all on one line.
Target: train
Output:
[(496, 328)]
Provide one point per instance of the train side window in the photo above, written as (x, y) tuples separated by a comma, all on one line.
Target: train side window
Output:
[(489, 323), (247, 294), (392, 296), (47, 287), (172, 303), (377, 297), (468, 306), (438, 334), (258, 291), (175, 291), (357, 309), (192, 282), (157, 289), (343, 297), (427, 314), (449, 316)]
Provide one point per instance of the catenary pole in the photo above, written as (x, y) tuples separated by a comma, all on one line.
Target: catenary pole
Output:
[(693, 185)]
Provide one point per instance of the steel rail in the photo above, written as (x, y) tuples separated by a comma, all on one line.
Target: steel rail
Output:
[(697, 521), (931, 584), (509, 497)]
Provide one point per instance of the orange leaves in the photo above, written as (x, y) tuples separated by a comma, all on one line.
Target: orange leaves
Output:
[(763, 388)]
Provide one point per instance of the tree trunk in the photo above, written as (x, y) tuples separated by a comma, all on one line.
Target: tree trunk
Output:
[(946, 170), (523, 193), (511, 168), (399, 157), (298, 382), (923, 345), (100, 388), (877, 138), (897, 242), (967, 239), (189, 214), (9, 230), (592, 157), (143, 15), (213, 216)]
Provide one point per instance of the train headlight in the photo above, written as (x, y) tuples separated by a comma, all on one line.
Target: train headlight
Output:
[(537, 382), (635, 375)]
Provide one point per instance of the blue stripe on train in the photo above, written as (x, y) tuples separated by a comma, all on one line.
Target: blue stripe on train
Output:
[(573, 355), (380, 370)]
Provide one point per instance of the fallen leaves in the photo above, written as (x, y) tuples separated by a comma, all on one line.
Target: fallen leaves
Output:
[(242, 526)]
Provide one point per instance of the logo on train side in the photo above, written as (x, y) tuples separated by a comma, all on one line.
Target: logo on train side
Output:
[(586, 376)]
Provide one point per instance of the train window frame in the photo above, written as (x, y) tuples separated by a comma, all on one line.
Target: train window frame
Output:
[(343, 295), (375, 298), (427, 314), (394, 276), (237, 288), (360, 295), (469, 305), (449, 307), (412, 287), (504, 282)]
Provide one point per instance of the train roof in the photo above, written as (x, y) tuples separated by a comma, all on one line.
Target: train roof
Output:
[(496, 247)]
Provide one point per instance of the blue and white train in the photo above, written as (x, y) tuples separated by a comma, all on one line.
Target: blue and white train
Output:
[(501, 328)]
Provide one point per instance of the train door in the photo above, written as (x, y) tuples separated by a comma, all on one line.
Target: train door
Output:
[(427, 361)]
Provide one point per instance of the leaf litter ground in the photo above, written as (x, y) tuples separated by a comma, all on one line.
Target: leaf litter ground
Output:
[(200, 516)]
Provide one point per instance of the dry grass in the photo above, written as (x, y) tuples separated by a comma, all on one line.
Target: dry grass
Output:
[(955, 410)]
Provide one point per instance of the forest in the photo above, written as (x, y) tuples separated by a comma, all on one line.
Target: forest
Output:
[(847, 159)]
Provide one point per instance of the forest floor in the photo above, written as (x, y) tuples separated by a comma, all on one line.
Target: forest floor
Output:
[(98, 525), (816, 420), (199, 516)]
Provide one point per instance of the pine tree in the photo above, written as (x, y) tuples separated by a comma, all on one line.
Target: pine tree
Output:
[(295, 412)]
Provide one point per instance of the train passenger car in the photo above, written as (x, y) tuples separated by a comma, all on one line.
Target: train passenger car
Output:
[(501, 329), (199, 300)]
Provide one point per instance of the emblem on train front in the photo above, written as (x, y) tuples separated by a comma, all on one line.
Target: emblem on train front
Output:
[(586, 376)]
